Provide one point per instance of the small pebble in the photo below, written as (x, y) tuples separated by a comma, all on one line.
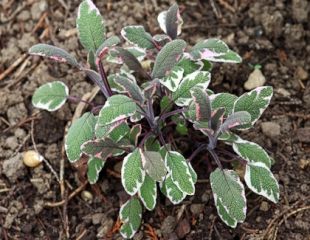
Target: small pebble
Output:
[(271, 129), (283, 92), (264, 206), (32, 159), (256, 79), (87, 196)]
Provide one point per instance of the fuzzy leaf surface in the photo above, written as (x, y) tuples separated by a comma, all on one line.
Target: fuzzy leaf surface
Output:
[(116, 108), (104, 47), (182, 96), (229, 196), (50, 96), (130, 216), (260, 180), (167, 58), (131, 87), (81, 131), (54, 53), (134, 134), (137, 35), (234, 120), (174, 78), (171, 191), (154, 165), (254, 102), (148, 193), (223, 100), (170, 21), (202, 104), (180, 172), (94, 167), (189, 65), (115, 131), (90, 26), (132, 172), (251, 152)]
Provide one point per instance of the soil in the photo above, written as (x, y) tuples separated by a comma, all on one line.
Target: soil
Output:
[(272, 33)]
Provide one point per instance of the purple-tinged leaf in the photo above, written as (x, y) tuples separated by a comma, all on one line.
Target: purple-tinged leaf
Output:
[(138, 36), (202, 104), (130, 87), (234, 120), (217, 119), (54, 53), (170, 21), (104, 47), (161, 39), (96, 78), (167, 58)]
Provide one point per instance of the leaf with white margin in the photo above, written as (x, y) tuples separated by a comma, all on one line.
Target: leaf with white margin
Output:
[(161, 39), (81, 131), (193, 173), (104, 47), (130, 87), (229, 57), (180, 172), (148, 193), (90, 26), (254, 102), (94, 167), (138, 36), (223, 100), (154, 165), (170, 21), (116, 130), (251, 152), (132, 172), (209, 48), (202, 104), (260, 180), (234, 120), (50, 96), (171, 191), (130, 216), (174, 78), (54, 53), (229, 196), (168, 57), (117, 107), (182, 96), (134, 134)]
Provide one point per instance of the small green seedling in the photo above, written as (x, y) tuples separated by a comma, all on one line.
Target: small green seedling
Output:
[(143, 101)]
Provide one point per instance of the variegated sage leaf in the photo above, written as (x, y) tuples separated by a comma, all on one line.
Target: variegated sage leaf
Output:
[(138, 36), (229, 196), (132, 172), (54, 53), (90, 26), (154, 165), (50, 96), (148, 193), (94, 167)]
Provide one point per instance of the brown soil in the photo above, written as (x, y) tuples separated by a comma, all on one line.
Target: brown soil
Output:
[(274, 34)]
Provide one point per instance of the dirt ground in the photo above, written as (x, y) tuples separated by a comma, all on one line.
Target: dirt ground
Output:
[(272, 33)]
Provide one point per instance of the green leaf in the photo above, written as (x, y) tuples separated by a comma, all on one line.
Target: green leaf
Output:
[(116, 131), (50, 96), (134, 134), (254, 102), (202, 104), (132, 172), (180, 172), (54, 53), (148, 193), (102, 148), (152, 144), (214, 50), (161, 39), (81, 131), (229, 196), (174, 78), (170, 21), (165, 104), (189, 65), (94, 167), (251, 152), (130, 216), (260, 180), (116, 108), (234, 120), (130, 87), (168, 57), (182, 96), (104, 47), (154, 165), (138, 36), (171, 191), (90, 26), (223, 100)]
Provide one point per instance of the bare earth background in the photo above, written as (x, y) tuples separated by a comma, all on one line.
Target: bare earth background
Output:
[(274, 34)]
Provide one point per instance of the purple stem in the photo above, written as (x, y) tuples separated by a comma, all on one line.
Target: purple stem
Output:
[(168, 114), (104, 78), (198, 150)]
